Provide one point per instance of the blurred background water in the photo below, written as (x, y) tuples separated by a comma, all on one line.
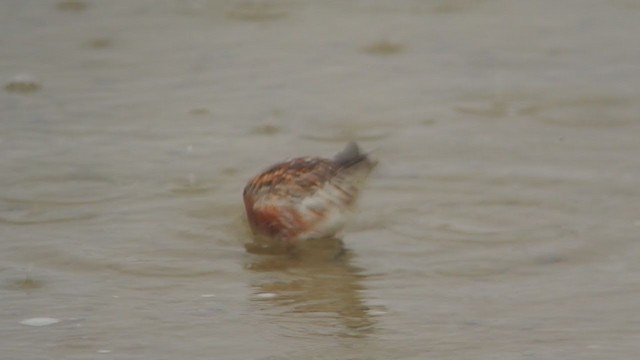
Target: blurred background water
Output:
[(502, 222)]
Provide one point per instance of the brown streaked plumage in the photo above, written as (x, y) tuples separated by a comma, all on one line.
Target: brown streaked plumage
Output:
[(306, 197)]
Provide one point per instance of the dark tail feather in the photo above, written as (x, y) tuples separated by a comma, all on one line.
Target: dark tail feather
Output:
[(351, 155), (353, 169)]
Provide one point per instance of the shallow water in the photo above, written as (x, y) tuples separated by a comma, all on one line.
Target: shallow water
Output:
[(502, 222)]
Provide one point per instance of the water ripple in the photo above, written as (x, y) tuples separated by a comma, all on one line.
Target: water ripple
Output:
[(59, 190)]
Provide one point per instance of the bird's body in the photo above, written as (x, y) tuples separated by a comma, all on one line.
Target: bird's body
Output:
[(306, 197)]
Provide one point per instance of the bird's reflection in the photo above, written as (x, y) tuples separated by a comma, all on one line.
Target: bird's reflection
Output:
[(316, 282)]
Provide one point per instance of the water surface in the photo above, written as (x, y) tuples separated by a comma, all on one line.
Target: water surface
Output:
[(502, 222)]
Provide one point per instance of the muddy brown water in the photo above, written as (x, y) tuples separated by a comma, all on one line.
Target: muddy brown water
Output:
[(501, 223)]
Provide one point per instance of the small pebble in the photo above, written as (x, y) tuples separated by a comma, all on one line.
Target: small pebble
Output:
[(39, 321), (207, 295), (383, 48), (72, 5), (99, 43), (23, 83), (199, 112)]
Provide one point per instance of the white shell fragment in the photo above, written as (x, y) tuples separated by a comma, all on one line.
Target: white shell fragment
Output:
[(266, 295), (43, 321)]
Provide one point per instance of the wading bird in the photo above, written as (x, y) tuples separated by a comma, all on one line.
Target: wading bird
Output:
[(306, 197)]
